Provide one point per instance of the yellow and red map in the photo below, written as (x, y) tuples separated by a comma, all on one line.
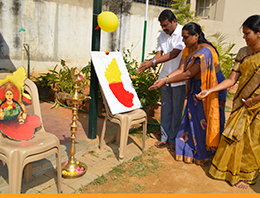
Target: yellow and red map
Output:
[(115, 81), (113, 76)]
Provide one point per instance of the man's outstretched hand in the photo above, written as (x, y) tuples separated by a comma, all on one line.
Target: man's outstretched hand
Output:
[(144, 66)]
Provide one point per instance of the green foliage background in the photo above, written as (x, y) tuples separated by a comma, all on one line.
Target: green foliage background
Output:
[(226, 58)]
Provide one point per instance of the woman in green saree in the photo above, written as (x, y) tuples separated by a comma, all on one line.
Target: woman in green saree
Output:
[(237, 159)]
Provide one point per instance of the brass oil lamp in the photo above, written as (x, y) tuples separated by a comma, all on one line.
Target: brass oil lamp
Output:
[(73, 168)]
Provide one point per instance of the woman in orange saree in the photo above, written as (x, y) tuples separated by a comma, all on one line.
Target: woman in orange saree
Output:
[(203, 121), (237, 159)]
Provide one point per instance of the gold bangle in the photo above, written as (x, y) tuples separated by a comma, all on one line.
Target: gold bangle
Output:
[(251, 101)]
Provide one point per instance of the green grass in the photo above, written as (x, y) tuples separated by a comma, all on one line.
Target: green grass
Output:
[(139, 170), (230, 95), (93, 153), (152, 126), (137, 187), (117, 172), (100, 180), (139, 167), (81, 188), (227, 108), (110, 155)]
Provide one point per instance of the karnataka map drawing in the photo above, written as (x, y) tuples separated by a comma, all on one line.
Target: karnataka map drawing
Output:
[(113, 76), (115, 81)]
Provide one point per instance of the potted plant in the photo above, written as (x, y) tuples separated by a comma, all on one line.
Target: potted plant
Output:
[(59, 81)]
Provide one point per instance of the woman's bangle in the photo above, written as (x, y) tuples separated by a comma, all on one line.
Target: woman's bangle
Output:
[(251, 101), (167, 77)]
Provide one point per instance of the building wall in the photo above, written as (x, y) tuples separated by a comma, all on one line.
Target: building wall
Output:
[(230, 15), (54, 30), (129, 34), (62, 29)]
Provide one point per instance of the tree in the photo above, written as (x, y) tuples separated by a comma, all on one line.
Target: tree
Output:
[(226, 58), (182, 11)]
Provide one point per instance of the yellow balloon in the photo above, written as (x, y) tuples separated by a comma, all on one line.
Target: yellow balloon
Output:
[(108, 21)]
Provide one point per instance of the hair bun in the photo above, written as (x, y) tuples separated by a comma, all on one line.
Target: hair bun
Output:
[(200, 27)]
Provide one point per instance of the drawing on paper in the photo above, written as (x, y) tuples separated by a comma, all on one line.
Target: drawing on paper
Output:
[(115, 81)]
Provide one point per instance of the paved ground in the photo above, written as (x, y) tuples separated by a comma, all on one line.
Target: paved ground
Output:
[(57, 121)]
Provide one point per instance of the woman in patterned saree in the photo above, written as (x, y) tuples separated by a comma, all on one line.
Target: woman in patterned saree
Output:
[(203, 121), (237, 159)]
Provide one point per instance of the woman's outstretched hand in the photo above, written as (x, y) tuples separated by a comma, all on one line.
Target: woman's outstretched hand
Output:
[(203, 94), (157, 84), (248, 102)]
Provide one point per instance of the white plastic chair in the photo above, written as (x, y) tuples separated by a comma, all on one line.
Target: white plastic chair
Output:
[(124, 121), (19, 155)]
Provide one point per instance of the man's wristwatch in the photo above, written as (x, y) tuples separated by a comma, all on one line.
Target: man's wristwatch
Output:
[(154, 62)]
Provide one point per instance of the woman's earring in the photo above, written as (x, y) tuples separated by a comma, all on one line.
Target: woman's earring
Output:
[(258, 34)]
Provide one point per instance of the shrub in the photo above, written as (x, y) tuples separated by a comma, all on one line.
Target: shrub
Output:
[(142, 81), (226, 58), (59, 78)]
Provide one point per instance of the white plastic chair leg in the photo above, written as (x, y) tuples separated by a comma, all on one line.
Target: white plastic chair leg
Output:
[(123, 138), (144, 134), (58, 169), (101, 140), (118, 134), (15, 177), (28, 173)]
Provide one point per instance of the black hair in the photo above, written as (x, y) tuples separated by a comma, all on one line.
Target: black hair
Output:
[(253, 23), (166, 14), (194, 28)]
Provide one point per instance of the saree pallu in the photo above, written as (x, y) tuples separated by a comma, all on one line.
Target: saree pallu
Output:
[(238, 155), (191, 141)]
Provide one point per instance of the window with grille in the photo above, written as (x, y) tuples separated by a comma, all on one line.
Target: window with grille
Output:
[(203, 8), (161, 3)]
